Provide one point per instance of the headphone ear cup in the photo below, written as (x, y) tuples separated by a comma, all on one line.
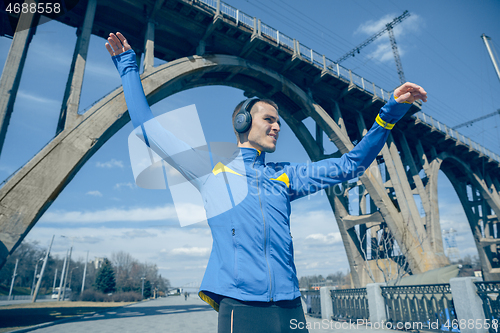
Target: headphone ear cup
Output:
[(242, 121)]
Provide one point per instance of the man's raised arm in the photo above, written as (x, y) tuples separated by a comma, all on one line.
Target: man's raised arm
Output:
[(192, 163), (307, 179)]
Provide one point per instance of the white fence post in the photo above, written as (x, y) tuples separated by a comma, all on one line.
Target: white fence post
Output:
[(468, 305), (326, 302), (376, 303)]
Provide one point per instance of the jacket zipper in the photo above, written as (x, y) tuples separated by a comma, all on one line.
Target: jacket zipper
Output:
[(265, 230)]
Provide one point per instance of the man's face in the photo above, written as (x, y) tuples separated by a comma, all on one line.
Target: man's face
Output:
[(263, 133)]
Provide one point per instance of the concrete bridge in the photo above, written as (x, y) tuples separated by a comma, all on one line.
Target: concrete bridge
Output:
[(211, 43)]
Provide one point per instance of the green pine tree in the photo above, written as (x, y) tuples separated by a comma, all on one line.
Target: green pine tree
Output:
[(147, 289), (105, 278)]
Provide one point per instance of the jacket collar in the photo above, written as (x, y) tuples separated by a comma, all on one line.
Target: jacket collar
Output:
[(251, 154)]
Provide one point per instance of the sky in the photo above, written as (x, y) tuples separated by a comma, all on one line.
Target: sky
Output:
[(102, 210)]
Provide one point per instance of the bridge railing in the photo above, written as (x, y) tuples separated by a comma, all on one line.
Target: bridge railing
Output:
[(313, 302), (457, 306), (328, 65), (350, 304), (430, 306), (459, 138), (489, 292)]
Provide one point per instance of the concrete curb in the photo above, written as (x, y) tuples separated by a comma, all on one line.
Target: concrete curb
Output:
[(61, 321)]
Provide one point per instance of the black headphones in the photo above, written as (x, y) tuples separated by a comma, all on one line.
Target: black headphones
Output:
[(243, 119)]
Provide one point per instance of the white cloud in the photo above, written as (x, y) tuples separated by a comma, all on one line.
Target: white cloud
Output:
[(191, 251), (100, 69), (371, 27), (383, 51), (331, 238), (110, 164), (112, 215), (7, 169), (94, 193), (120, 185), (37, 99), (138, 234)]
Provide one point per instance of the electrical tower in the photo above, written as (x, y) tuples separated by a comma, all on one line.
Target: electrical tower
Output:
[(394, 46), (450, 245)]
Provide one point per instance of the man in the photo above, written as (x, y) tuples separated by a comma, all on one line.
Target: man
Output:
[(250, 277)]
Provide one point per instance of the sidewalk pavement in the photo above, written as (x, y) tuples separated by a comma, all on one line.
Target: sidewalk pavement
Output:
[(170, 314)]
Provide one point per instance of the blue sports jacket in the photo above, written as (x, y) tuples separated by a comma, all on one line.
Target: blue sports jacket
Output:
[(252, 251)]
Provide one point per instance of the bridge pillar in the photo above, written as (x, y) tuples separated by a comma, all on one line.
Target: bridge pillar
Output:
[(482, 217), (149, 44), (13, 69), (69, 110)]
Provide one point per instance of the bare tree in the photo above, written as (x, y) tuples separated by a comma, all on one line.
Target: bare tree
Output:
[(378, 245), (129, 271)]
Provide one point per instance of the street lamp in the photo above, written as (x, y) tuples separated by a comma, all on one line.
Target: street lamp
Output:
[(34, 277), (70, 276), (67, 268), (142, 289)]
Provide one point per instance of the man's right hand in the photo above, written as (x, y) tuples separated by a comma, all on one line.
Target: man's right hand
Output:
[(409, 93), (117, 44)]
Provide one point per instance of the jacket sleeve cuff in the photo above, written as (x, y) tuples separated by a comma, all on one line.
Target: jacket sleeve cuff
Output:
[(391, 112), (125, 62)]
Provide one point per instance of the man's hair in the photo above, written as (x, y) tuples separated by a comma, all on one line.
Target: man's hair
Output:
[(240, 104)]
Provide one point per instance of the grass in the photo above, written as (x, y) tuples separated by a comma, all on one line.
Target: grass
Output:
[(4, 291), (18, 316)]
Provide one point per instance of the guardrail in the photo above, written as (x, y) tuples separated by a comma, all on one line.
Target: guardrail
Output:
[(313, 302), (429, 306), (326, 64), (459, 138), (489, 292), (350, 304)]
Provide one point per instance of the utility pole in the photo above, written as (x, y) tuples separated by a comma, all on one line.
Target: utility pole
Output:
[(71, 276), (62, 277), (66, 275), (485, 40), (55, 279), (85, 272), (493, 60), (142, 289), (43, 270), (34, 277), (14, 277)]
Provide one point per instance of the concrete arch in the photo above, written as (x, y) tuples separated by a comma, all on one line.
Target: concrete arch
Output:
[(31, 191), (476, 179), (457, 170)]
